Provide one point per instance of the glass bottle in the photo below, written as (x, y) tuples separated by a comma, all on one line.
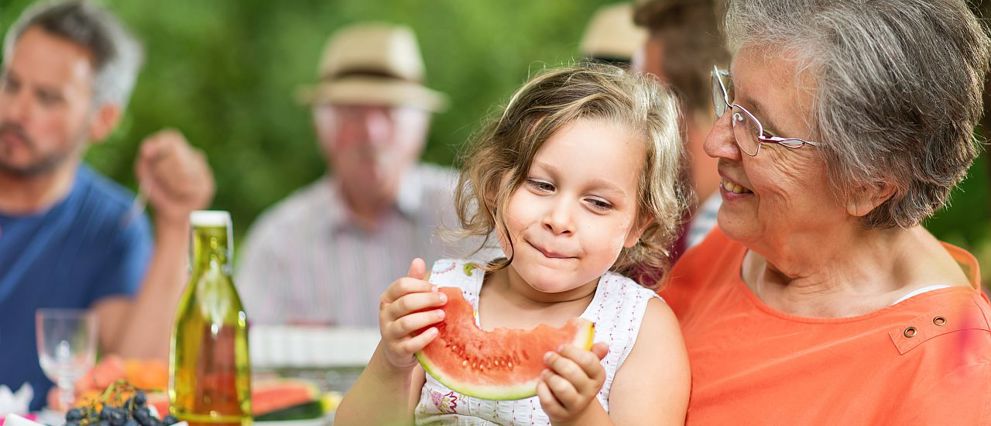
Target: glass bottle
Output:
[(210, 374)]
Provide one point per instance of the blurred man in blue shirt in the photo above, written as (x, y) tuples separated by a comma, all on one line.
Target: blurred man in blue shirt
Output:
[(68, 238)]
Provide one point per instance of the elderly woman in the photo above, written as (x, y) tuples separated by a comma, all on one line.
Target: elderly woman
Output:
[(821, 299)]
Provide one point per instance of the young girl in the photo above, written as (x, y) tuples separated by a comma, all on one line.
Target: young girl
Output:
[(579, 180)]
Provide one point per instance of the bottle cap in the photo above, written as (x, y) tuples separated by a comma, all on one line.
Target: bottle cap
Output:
[(210, 218)]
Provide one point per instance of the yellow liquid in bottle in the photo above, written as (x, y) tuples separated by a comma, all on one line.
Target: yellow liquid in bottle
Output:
[(210, 372)]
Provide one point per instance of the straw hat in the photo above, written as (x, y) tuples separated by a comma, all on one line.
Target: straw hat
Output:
[(611, 33), (373, 64)]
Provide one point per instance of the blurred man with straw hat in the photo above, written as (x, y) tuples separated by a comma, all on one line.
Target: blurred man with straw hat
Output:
[(324, 255), (611, 37)]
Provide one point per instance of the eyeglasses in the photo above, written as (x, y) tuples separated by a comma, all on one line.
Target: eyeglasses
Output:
[(747, 130)]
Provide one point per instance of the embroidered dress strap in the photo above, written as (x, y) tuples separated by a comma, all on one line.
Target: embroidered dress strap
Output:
[(617, 310)]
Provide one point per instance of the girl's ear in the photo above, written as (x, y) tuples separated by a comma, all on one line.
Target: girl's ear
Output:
[(864, 199), (633, 237)]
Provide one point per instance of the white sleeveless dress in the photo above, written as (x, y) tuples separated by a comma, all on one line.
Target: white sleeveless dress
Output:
[(617, 309)]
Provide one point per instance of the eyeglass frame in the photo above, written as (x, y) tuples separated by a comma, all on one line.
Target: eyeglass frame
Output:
[(717, 81)]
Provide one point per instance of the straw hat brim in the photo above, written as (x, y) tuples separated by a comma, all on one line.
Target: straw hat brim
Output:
[(373, 91)]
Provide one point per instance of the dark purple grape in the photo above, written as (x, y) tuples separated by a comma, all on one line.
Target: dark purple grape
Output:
[(117, 416), (74, 415), (72, 423), (170, 420), (131, 422), (144, 419), (140, 398)]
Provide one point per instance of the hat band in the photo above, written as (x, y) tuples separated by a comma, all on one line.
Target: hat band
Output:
[(365, 73)]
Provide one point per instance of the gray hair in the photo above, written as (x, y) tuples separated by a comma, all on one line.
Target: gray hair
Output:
[(117, 56), (897, 90)]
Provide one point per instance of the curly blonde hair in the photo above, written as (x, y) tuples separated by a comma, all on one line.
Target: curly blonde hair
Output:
[(498, 158)]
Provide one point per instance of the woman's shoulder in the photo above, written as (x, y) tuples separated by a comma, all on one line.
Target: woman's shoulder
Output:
[(715, 256), (937, 319)]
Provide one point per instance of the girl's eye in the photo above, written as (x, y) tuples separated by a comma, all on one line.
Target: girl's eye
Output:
[(540, 185), (598, 204)]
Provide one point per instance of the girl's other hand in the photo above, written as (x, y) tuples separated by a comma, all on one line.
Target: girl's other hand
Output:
[(568, 387), (404, 313)]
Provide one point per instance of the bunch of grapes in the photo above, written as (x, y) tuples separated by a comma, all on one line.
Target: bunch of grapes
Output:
[(119, 405)]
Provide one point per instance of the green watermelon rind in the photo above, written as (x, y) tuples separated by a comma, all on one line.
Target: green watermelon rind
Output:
[(583, 338)]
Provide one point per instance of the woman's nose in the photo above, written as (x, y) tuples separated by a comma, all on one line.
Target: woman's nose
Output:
[(720, 142)]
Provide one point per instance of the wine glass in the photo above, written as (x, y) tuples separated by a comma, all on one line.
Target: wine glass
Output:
[(66, 347)]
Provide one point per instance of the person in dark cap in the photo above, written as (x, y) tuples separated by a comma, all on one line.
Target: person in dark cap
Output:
[(684, 41)]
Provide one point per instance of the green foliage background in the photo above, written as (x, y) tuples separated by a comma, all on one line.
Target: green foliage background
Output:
[(224, 73)]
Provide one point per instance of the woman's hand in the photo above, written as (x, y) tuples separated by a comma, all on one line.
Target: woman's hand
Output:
[(404, 312), (568, 387)]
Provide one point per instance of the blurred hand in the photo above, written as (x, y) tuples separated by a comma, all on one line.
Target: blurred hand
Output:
[(567, 389), (405, 309), (174, 175)]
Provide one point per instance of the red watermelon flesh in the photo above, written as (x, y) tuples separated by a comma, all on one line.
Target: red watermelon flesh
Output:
[(501, 364)]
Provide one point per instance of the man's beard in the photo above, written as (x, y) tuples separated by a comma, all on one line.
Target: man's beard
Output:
[(41, 166)]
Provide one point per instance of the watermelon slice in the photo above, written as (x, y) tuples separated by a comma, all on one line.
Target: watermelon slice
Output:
[(273, 395), (501, 364)]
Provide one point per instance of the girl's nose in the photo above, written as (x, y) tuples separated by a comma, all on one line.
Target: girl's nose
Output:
[(720, 142), (558, 219)]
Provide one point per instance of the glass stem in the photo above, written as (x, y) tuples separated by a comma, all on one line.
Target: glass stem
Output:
[(66, 392)]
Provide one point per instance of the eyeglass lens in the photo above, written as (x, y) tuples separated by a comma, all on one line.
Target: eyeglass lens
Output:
[(745, 130), (745, 127)]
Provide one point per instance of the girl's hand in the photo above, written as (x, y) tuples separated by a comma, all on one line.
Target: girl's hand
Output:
[(404, 311), (574, 377)]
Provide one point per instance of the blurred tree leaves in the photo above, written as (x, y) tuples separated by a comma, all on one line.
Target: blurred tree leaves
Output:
[(225, 72)]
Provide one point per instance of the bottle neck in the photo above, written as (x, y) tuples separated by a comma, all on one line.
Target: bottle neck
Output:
[(211, 248)]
